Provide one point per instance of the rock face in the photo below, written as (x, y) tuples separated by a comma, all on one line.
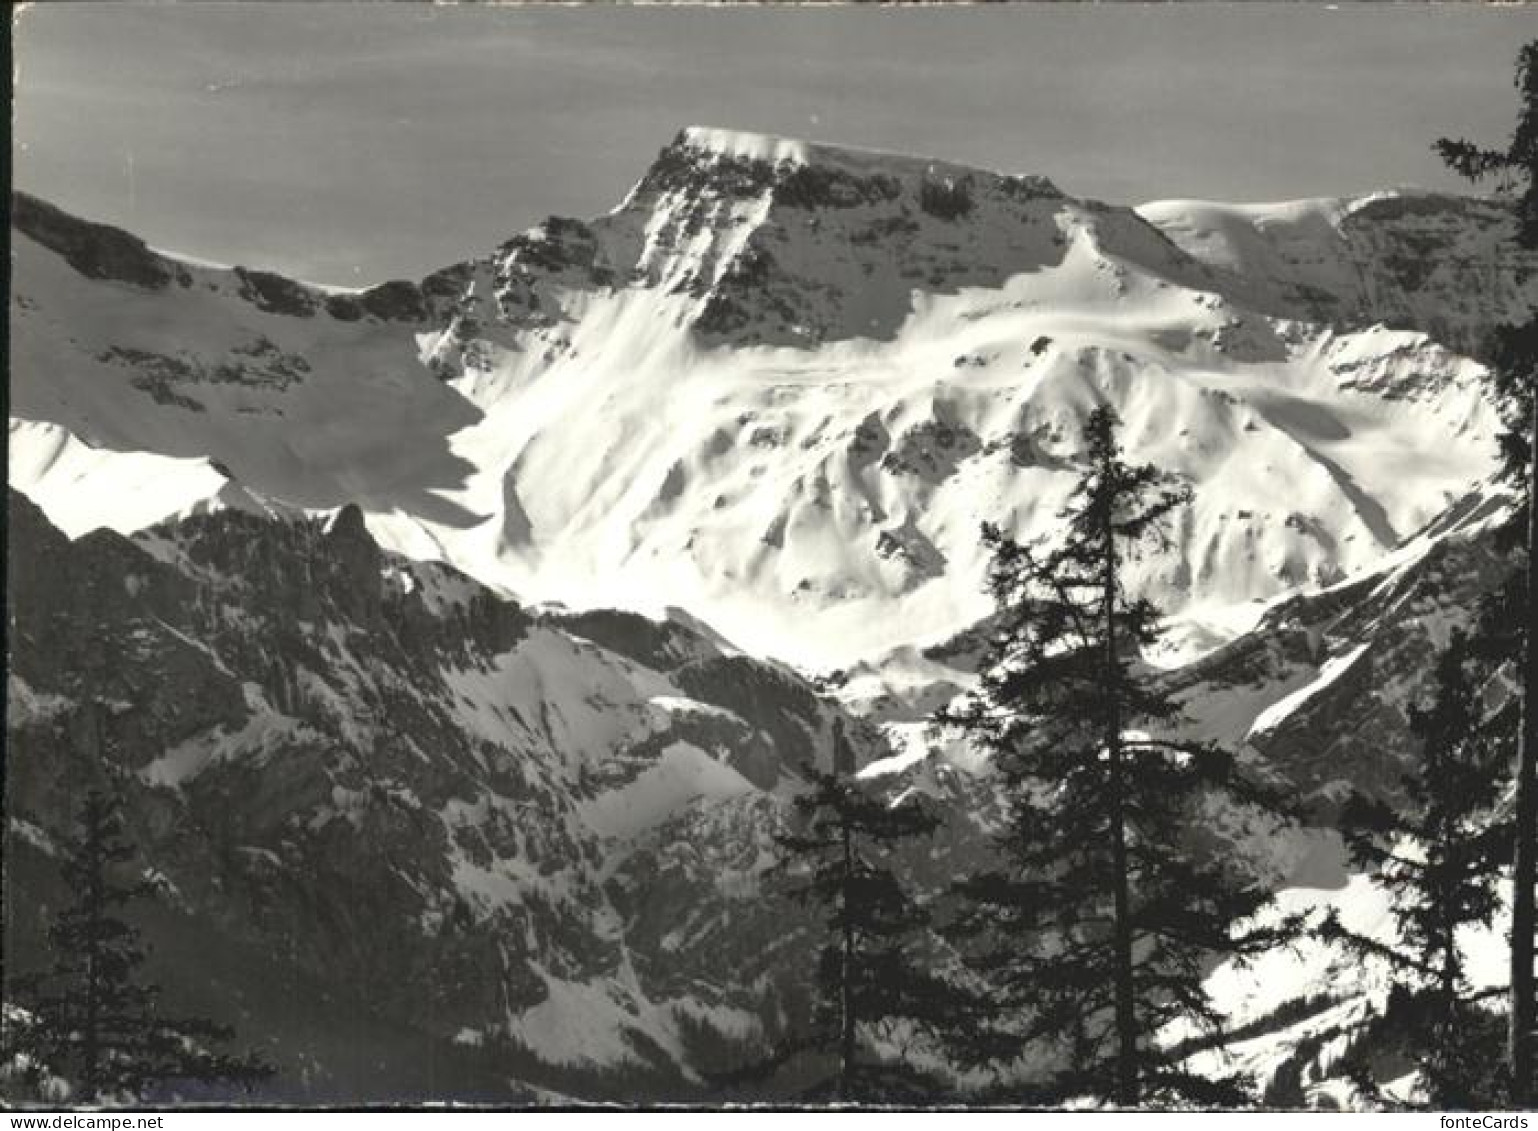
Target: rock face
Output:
[(1351, 660), (407, 790)]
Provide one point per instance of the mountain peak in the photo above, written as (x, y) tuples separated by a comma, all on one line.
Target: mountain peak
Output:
[(787, 153), (745, 143)]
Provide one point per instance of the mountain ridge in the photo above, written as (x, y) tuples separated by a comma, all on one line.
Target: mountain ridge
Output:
[(74, 235), (347, 591)]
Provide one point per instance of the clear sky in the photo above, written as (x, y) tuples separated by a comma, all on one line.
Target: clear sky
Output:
[(351, 142)]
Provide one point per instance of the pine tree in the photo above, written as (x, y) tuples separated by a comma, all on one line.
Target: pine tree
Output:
[(1514, 361), (869, 975), (92, 1021), (1440, 857), (1097, 929)]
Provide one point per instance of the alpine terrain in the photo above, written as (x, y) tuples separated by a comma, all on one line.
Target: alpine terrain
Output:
[(458, 645)]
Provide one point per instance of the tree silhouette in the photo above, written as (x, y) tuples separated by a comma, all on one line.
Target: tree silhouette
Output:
[(93, 1022), (1097, 929), (1441, 859), (837, 856), (1514, 366)]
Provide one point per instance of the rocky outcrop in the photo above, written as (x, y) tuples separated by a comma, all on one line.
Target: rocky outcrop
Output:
[(97, 251), (276, 294), (396, 301)]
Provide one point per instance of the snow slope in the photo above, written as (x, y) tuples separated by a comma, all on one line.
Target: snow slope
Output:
[(49, 462)]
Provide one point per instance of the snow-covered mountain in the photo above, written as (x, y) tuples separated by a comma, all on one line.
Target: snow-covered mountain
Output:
[(350, 639), (781, 384)]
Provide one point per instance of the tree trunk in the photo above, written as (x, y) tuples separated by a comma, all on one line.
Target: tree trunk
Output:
[(1126, 1014), (90, 1051), (1524, 870), (846, 980), (90, 1037)]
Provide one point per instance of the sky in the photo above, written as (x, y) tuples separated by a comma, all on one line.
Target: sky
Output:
[(352, 142)]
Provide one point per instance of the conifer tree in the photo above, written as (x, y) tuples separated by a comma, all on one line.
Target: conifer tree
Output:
[(1440, 857), (1096, 929), (1514, 365), (868, 969), (93, 1021)]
